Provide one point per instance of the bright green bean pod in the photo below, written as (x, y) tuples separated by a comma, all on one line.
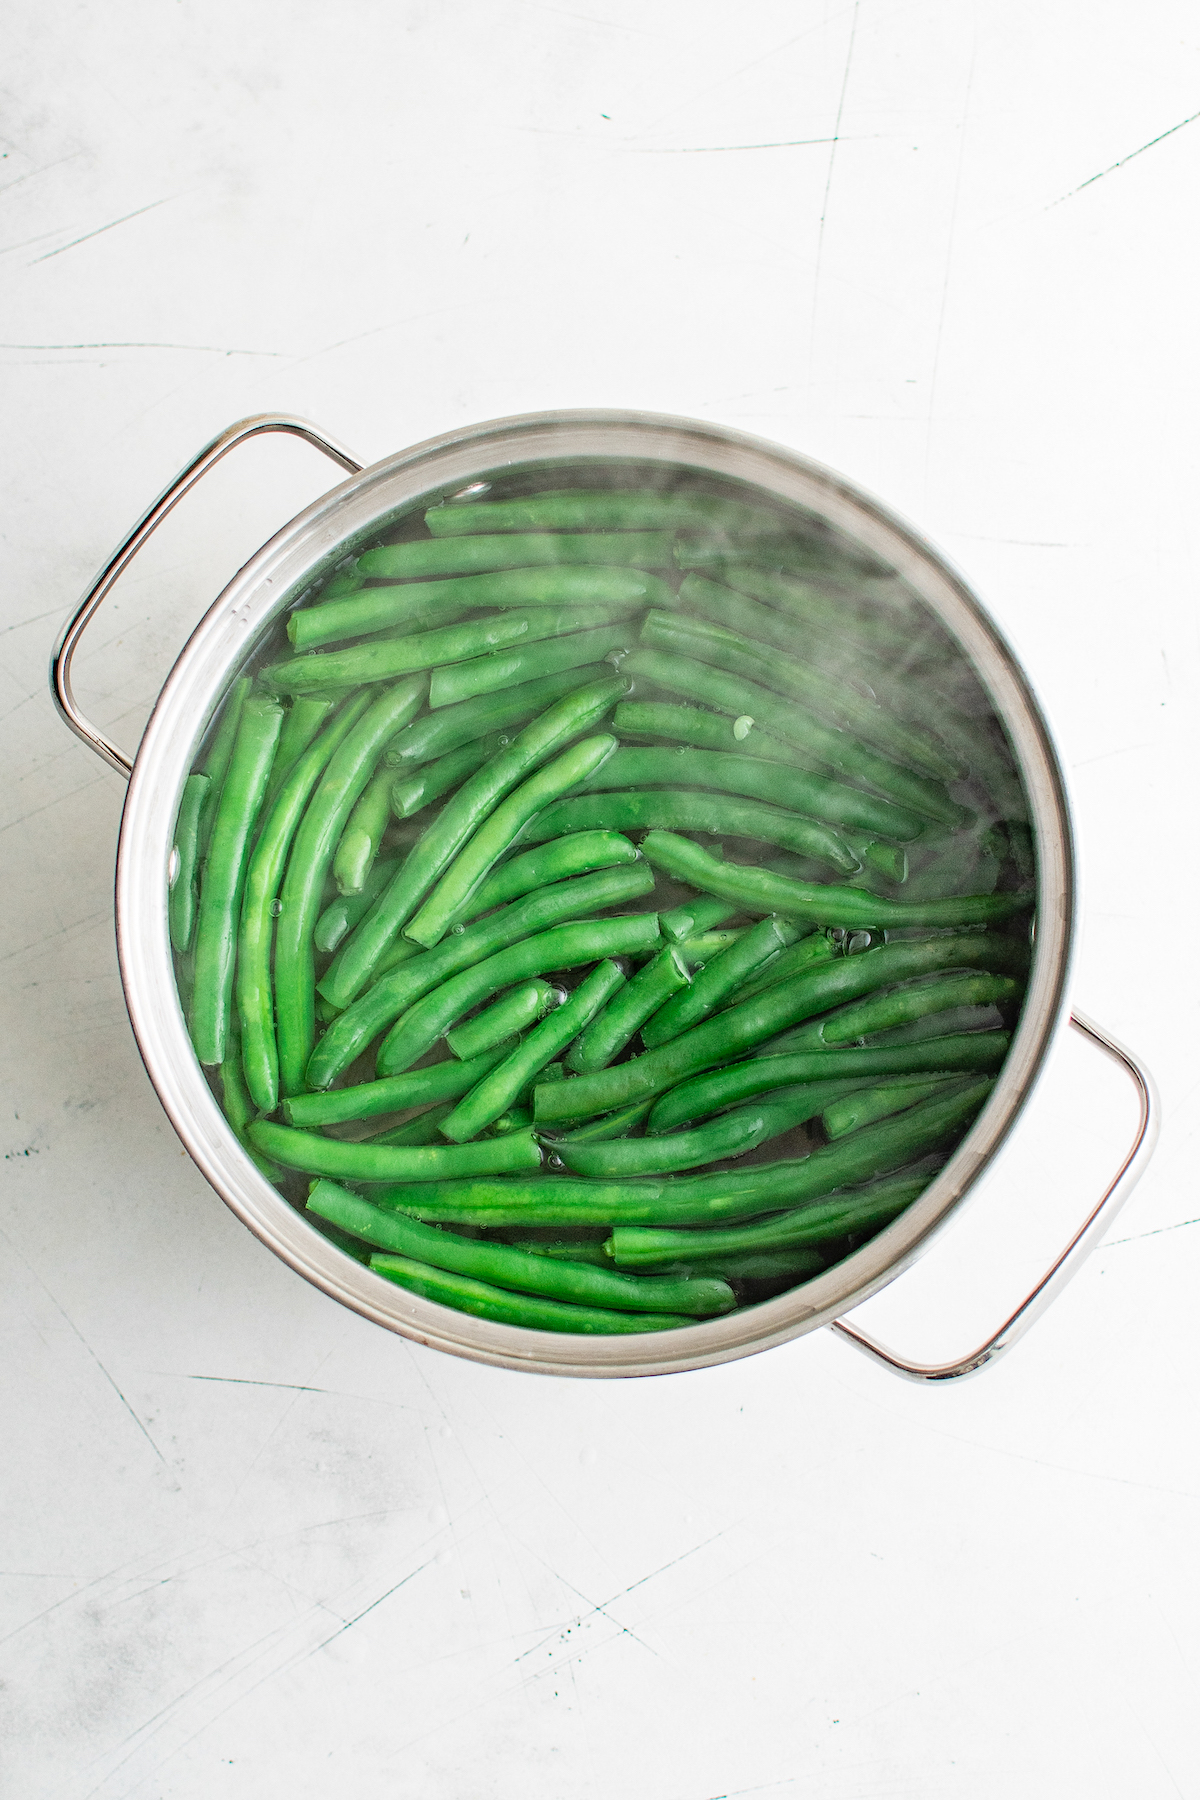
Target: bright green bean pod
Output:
[(216, 760), (516, 1118), (547, 864), (797, 790), (225, 876), (706, 730), (612, 1125), (718, 979), (332, 620), (437, 733), (569, 1250), (523, 1006), (695, 917), (252, 982), (305, 717), (181, 906), (499, 831), (410, 793), (698, 950), (359, 845), (420, 1087), (345, 910), (628, 1010), (562, 947), (401, 987), (507, 1267), (901, 1006), (424, 1129), (835, 749), (599, 509), (865, 1105), (547, 656), (761, 891), (502, 1085), (816, 947), (423, 560), (343, 780), (691, 1101), (385, 1162), (721, 1039), (689, 809), (529, 1311), (458, 820)]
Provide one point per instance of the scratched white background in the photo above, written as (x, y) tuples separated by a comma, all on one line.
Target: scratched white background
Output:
[(252, 1547)]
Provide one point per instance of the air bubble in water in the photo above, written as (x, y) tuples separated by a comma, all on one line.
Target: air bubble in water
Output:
[(173, 866), (742, 727), (276, 908)]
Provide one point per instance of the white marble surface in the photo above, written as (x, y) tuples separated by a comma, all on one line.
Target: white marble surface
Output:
[(252, 1547)]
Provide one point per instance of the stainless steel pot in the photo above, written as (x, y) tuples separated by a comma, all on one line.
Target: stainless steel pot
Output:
[(308, 547)]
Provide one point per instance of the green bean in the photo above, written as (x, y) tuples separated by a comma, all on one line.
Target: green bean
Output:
[(359, 845), (305, 717), (562, 947), (628, 1010), (612, 1125), (598, 509), (522, 1007), (816, 947), (181, 906), (225, 876), (548, 863), (332, 620), (420, 1087), (707, 730), (956, 1020), (252, 982), (375, 1162), (575, 649), (383, 1003), (216, 760), (854, 1211), (437, 733), (865, 1105), (515, 1118), (836, 749), (718, 979), (410, 793), (375, 609), (695, 917), (888, 860), (900, 1006), (512, 550), (507, 1267), (724, 1037), (384, 659), (834, 610), (759, 890), (345, 910), (570, 1250), (347, 774), (236, 1104), (499, 831), (808, 556), (424, 1129), (706, 1094), (698, 1199), (527, 1311), (777, 783), (458, 820), (698, 950), (502, 1085), (689, 809)]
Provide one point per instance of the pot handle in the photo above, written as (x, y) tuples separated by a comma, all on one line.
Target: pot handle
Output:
[(1071, 1259), (127, 549)]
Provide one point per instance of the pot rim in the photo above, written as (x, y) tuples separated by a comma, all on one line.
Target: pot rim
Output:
[(307, 547)]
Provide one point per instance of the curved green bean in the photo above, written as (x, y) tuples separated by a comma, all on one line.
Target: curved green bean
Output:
[(695, 917), (726, 1036), (423, 559), (698, 950), (690, 809), (848, 1112), (522, 1007), (574, 649), (216, 760), (687, 724), (437, 733), (903, 1005), (410, 793), (562, 947), (458, 820), (424, 1129), (547, 864), (343, 780), (628, 1010), (383, 1162), (718, 979), (760, 891), (225, 875), (599, 509), (497, 833), (502, 1085), (401, 987), (816, 947), (529, 1312), (612, 1125), (359, 844), (181, 906), (305, 717), (399, 1093), (345, 910)]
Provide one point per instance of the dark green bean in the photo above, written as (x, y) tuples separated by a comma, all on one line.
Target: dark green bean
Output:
[(628, 1010), (437, 733), (836, 749), (347, 774), (695, 917), (721, 1039), (502, 1085), (761, 891), (424, 1129), (216, 760), (515, 550), (548, 863), (420, 1087), (375, 1162), (410, 793), (181, 907), (816, 947), (575, 649), (225, 876), (562, 947), (690, 809), (504, 1266), (797, 790), (458, 820), (718, 979), (523, 1006), (900, 1006), (698, 950), (359, 845), (612, 1125), (956, 1020), (527, 1311), (830, 608), (706, 1094), (865, 1105), (598, 509), (383, 1003), (569, 1250), (345, 910)]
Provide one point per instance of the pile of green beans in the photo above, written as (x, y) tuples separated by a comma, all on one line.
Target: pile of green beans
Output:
[(542, 908)]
